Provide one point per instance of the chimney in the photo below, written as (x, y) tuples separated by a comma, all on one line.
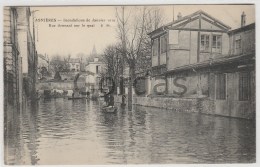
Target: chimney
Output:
[(179, 16), (243, 19)]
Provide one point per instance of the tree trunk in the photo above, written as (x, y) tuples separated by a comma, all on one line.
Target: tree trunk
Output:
[(130, 85)]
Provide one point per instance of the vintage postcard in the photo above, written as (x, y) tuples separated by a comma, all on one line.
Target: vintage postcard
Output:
[(144, 84)]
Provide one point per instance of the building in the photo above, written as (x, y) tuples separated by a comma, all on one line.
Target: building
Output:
[(94, 69), (240, 74), (187, 41), (95, 66), (12, 60), (28, 53), (20, 60), (197, 56), (19, 67), (90, 81), (74, 64)]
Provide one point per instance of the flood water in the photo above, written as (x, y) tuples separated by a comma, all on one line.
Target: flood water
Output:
[(60, 131)]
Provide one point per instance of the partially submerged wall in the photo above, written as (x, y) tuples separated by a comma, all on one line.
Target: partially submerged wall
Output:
[(197, 105)]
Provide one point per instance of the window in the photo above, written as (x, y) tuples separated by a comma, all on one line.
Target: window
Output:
[(204, 42), (221, 86), (155, 47), (243, 86), (216, 43), (238, 47), (163, 44), (97, 70), (238, 44)]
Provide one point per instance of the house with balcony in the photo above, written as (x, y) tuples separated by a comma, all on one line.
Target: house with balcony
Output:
[(198, 56)]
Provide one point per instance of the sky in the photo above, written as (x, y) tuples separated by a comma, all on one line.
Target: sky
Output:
[(67, 40)]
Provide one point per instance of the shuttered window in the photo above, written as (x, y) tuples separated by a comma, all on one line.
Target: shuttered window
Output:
[(163, 44), (221, 86), (238, 46), (155, 47), (243, 86)]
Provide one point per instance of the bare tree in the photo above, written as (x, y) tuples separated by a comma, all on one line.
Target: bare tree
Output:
[(133, 24), (58, 65), (111, 59), (131, 31), (113, 64), (154, 19), (82, 58)]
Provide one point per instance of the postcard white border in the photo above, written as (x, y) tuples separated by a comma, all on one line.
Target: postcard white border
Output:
[(134, 2)]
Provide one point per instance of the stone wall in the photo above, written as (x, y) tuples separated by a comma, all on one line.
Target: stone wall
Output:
[(175, 104), (55, 85), (197, 105)]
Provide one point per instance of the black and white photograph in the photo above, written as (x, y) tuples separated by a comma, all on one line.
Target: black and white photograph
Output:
[(129, 84)]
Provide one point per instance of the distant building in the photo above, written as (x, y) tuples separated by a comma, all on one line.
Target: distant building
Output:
[(90, 81), (95, 69), (197, 56), (74, 64), (95, 66)]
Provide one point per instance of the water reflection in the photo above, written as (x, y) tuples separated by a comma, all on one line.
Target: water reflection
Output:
[(61, 131)]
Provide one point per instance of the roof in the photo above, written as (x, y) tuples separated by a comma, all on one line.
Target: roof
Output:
[(74, 60), (247, 27), (188, 17), (45, 58), (89, 73), (214, 62), (94, 62)]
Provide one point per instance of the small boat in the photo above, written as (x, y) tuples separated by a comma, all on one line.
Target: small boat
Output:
[(76, 98), (109, 109)]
